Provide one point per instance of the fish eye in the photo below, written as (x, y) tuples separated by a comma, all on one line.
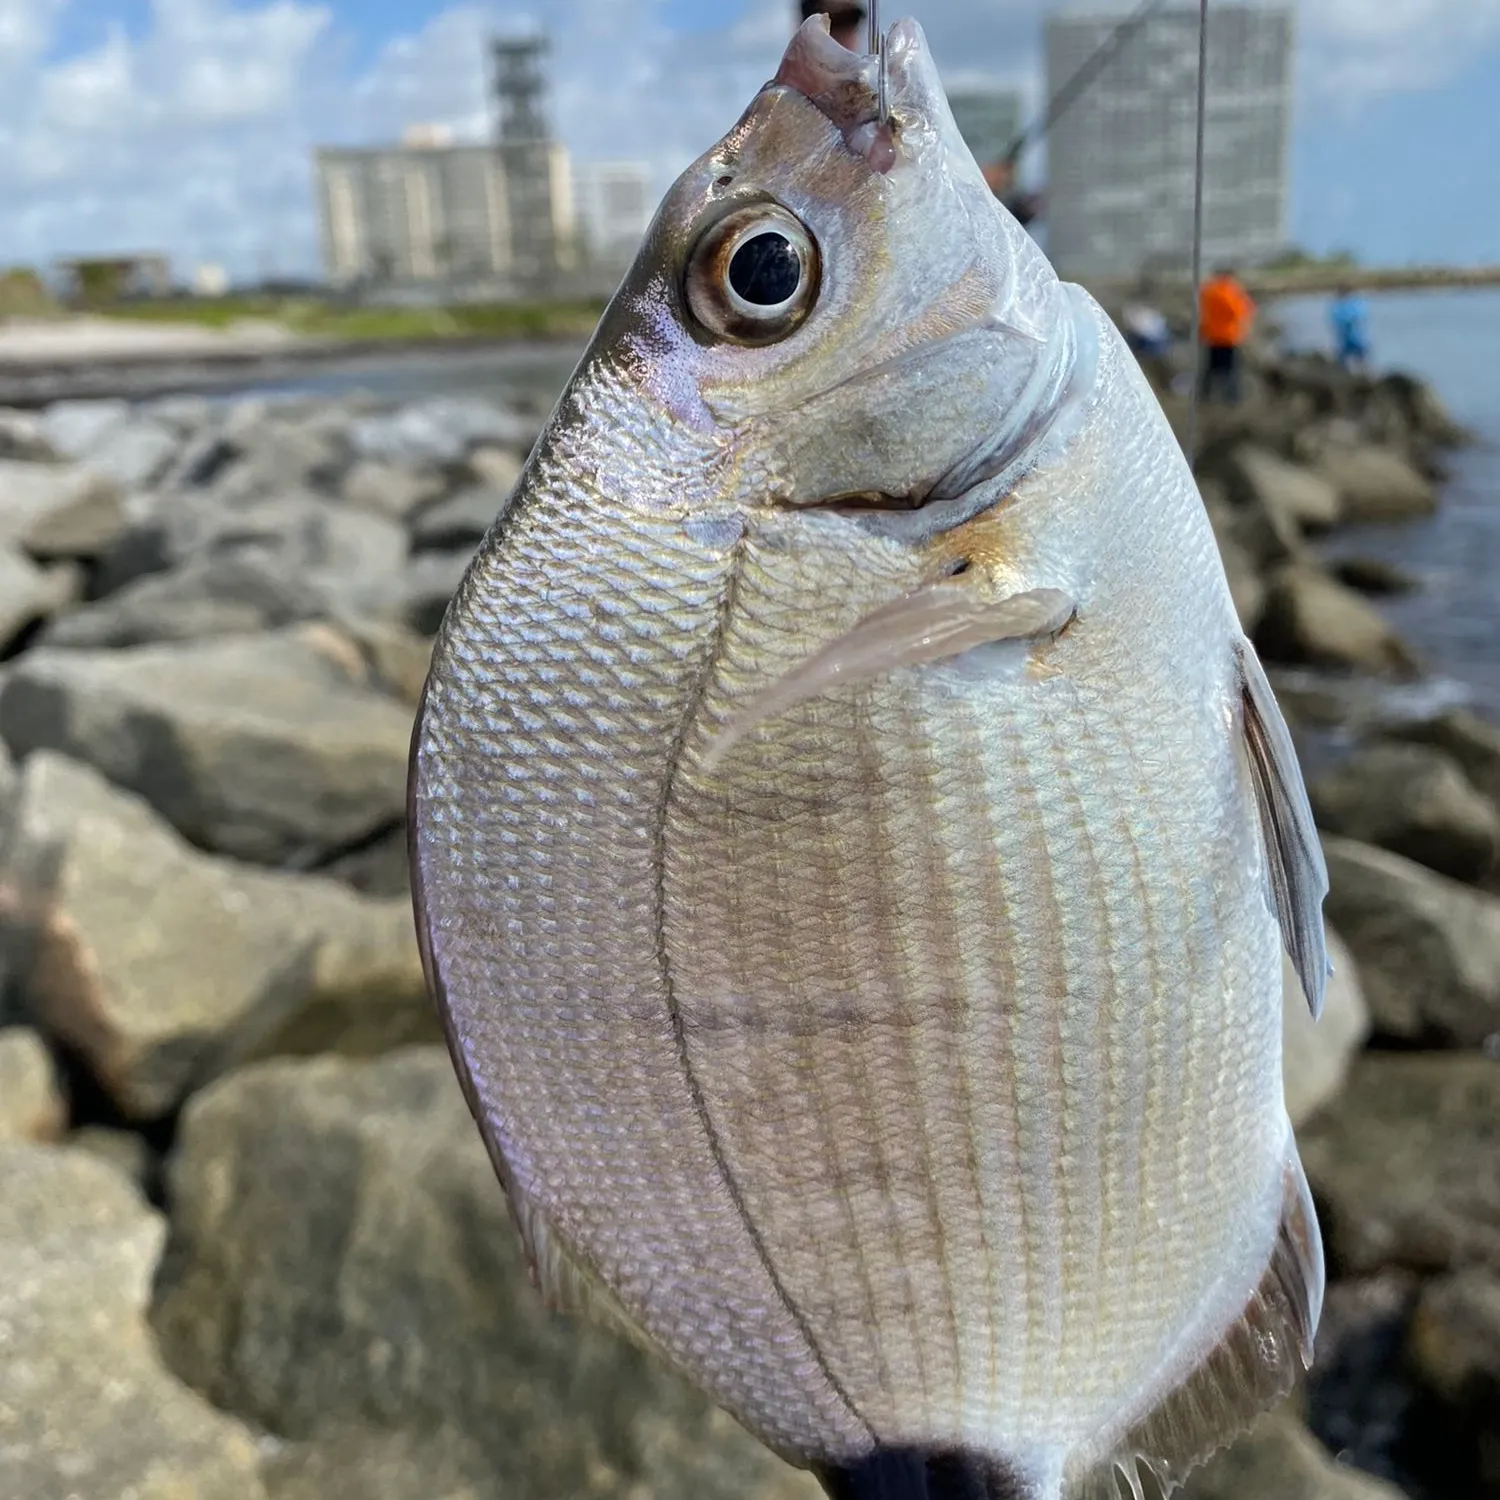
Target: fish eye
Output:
[(753, 275)]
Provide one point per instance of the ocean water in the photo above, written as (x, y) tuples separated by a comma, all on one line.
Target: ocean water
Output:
[(1452, 340)]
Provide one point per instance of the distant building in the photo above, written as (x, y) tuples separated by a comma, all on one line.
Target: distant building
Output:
[(1120, 160), (615, 203), (498, 215), (988, 119), (404, 214)]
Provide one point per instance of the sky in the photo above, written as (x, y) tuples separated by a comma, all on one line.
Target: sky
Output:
[(187, 125)]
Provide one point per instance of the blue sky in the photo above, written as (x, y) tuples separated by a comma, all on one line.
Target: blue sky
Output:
[(187, 125)]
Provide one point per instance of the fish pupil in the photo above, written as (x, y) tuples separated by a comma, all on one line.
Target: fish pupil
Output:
[(766, 270)]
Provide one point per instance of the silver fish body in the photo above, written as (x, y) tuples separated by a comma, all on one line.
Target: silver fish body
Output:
[(859, 928)]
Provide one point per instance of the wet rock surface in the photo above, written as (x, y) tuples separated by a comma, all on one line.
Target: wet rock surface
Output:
[(32, 1107)]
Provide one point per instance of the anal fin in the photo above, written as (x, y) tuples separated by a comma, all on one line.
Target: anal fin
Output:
[(1254, 1365)]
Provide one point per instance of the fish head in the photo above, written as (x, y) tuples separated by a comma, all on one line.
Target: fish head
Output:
[(837, 299)]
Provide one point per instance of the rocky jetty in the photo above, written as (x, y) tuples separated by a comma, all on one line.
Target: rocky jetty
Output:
[(254, 1247)]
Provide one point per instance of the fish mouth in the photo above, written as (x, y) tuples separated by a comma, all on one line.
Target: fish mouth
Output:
[(844, 85)]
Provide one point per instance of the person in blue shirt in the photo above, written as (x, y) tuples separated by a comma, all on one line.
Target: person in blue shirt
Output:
[(1348, 313)]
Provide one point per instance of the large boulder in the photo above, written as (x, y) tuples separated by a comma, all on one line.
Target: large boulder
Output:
[(1473, 742), (432, 579), (1375, 484), (460, 521), (440, 430), (1427, 947), (1415, 801), (1292, 494), (32, 1107), (344, 1272), (134, 453), (36, 496), (343, 550), (205, 597), (1316, 1055), (72, 429), (1311, 620), (1405, 1163), (87, 1408), (271, 748), (27, 596), (391, 490), (1454, 1353), (161, 967), (1280, 1460)]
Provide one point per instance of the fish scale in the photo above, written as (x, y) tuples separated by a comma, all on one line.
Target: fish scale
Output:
[(854, 844)]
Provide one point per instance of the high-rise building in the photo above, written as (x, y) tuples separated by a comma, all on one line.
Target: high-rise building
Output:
[(615, 204), (415, 212), (988, 119), (1120, 160)]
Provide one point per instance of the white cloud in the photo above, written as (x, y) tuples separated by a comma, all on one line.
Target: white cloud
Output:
[(195, 134)]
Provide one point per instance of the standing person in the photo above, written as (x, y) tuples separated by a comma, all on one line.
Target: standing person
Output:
[(1226, 313), (1349, 314)]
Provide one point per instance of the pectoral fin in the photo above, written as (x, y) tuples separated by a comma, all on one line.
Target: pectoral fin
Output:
[(929, 624), (1294, 856)]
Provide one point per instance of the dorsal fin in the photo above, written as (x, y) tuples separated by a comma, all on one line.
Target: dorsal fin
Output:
[(1252, 1367), (1294, 856)]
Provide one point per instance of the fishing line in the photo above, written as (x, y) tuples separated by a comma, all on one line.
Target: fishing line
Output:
[(1191, 445), (877, 51)]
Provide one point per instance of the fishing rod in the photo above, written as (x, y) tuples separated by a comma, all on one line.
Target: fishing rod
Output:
[(1078, 84)]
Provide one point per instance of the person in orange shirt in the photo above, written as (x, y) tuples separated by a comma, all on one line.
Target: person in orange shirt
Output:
[(1226, 313)]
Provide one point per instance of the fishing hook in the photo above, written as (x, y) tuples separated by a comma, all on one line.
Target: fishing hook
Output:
[(877, 51)]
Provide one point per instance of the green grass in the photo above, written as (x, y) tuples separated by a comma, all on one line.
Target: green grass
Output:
[(318, 319)]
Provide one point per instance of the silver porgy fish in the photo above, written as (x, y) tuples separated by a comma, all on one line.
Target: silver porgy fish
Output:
[(854, 842)]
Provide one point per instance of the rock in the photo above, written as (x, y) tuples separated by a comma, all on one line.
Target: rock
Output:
[(31, 1102), (342, 1258), (1473, 742), (86, 1407), (205, 597), (1375, 484), (1454, 1354), (27, 597), (379, 868), (1259, 478), (390, 489), (1415, 801), (75, 428), (396, 659), (270, 748), (1428, 948), (439, 430), (458, 522), (1359, 1393), (432, 578), (1405, 1163), (35, 498), (1268, 538), (1373, 575), (345, 552), (1279, 1458), (1425, 414), (125, 1150), (1310, 619), (133, 454), (162, 967), (1315, 1055), (22, 436), (497, 468)]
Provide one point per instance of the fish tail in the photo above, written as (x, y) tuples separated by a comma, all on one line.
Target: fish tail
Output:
[(926, 1474)]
